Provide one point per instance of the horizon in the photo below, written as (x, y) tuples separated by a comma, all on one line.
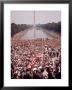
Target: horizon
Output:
[(35, 24)]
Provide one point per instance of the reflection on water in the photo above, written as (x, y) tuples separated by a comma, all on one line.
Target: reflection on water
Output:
[(34, 34)]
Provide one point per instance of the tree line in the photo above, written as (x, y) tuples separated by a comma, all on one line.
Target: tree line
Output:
[(15, 28), (52, 26)]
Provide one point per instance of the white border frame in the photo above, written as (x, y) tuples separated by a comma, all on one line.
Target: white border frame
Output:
[(64, 8)]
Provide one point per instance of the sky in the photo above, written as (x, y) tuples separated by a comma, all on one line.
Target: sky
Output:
[(41, 17)]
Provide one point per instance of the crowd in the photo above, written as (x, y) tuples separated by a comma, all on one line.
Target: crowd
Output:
[(35, 59)]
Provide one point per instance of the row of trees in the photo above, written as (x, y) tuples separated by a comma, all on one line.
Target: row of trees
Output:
[(15, 28), (52, 26)]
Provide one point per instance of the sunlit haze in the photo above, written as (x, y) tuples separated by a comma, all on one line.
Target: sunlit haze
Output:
[(41, 17)]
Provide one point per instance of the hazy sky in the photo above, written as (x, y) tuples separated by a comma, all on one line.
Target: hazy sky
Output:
[(41, 17)]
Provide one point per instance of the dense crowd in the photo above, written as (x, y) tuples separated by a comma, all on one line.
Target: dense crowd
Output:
[(35, 59)]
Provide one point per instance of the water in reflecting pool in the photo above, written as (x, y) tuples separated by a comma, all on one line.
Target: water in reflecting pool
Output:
[(35, 33)]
